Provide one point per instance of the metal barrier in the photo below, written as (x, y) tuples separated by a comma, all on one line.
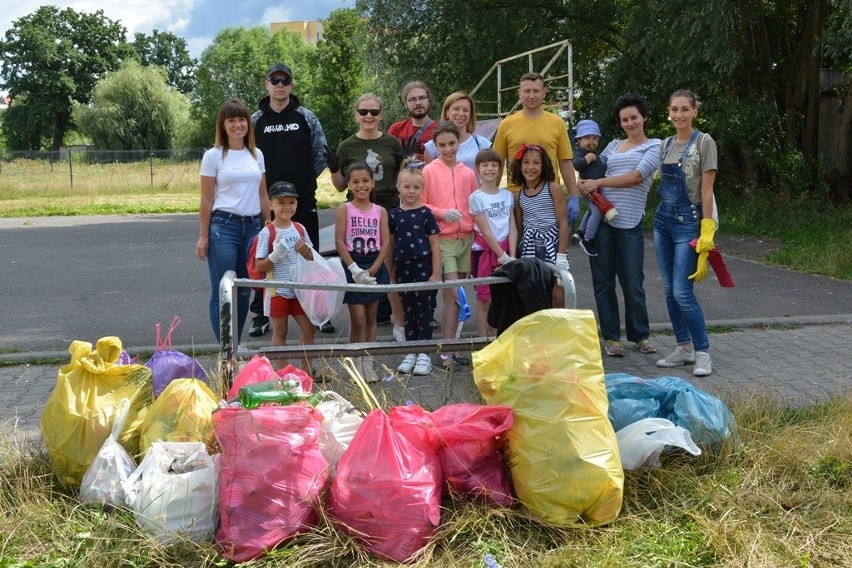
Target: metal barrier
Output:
[(228, 320)]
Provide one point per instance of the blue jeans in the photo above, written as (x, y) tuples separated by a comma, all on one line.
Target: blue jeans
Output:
[(621, 253), (227, 248), (675, 224)]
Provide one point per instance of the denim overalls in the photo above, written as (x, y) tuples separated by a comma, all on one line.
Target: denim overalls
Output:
[(676, 222)]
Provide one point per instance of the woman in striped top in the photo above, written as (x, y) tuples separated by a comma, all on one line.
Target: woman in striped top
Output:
[(631, 164)]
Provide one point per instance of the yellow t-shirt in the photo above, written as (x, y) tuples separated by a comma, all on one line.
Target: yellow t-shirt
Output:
[(547, 130)]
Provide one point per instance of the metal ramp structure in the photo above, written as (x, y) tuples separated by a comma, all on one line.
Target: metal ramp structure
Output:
[(556, 78)]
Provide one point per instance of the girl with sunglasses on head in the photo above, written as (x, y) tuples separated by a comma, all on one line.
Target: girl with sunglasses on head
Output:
[(383, 155)]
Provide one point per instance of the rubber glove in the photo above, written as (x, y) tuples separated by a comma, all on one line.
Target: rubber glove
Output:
[(701, 268), (562, 261), (279, 251), (452, 215), (705, 239), (505, 258), (332, 160), (359, 275), (573, 209)]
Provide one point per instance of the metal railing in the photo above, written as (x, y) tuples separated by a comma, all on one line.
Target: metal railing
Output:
[(228, 320)]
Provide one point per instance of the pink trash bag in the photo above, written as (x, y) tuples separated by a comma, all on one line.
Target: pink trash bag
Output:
[(471, 462), (272, 474), (260, 369), (387, 490)]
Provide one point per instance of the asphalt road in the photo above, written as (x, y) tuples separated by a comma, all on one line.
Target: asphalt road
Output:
[(67, 278)]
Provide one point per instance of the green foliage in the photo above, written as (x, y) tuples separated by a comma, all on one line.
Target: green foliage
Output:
[(235, 65), (133, 109), (340, 67), (51, 58), (166, 50)]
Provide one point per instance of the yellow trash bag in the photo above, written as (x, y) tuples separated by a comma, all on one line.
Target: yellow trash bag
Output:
[(78, 416), (563, 452), (182, 413)]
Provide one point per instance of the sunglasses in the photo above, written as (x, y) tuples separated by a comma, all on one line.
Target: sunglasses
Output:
[(281, 81), (370, 111)]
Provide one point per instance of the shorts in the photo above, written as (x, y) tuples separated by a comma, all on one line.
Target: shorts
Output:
[(281, 307), (455, 254)]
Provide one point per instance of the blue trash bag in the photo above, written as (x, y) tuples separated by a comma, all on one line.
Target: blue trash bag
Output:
[(166, 364), (706, 417)]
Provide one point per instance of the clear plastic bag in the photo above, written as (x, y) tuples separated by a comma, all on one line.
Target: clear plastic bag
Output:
[(340, 423), (642, 442), (111, 468), (319, 305)]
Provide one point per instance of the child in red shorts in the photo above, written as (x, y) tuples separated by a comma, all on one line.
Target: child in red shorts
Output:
[(289, 240)]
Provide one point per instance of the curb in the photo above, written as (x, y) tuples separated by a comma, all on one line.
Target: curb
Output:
[(40, 357)]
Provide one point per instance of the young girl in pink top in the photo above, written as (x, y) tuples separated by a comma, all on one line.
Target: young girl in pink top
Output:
[(362, 239), (448, 186)]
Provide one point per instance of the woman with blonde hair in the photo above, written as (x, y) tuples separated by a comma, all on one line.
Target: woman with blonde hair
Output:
[(459, 109)]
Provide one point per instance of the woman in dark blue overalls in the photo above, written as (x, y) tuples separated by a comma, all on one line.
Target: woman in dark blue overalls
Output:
[(686, 213)]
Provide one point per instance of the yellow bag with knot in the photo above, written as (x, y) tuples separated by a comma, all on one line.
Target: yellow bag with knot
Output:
[(79, 413), (563, 452), (182, 413)]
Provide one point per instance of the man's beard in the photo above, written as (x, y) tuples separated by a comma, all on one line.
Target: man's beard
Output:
[(418, 114)]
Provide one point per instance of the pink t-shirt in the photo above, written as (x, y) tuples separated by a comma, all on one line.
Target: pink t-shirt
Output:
[(363, 234)]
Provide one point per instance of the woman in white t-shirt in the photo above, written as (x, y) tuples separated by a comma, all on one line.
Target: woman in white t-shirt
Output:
[(233, 204), (459, 109)]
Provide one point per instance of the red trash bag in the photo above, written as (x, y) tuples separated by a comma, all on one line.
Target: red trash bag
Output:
[(471, 462), (387, 489), (272, 474), (260, 369)]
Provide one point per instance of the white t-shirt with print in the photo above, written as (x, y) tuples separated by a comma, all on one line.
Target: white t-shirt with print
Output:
[(497, 209), (281, 269)]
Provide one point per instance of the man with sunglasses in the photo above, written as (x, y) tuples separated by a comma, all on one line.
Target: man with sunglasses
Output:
[(416, 130), (293, 145)]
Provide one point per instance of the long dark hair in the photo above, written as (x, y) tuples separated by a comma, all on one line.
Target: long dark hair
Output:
[(234, 108)]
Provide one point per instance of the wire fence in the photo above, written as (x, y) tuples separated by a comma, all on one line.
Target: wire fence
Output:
[(85, 168)]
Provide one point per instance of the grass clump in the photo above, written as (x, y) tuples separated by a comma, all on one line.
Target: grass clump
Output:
[(779, 498)]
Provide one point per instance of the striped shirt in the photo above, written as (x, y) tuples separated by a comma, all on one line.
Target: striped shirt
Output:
[(630, 201), (539, 212)]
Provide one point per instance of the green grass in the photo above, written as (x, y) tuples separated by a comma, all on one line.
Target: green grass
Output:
[(781, 498)]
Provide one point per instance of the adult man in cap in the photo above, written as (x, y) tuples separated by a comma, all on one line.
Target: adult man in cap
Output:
[(294, 147)]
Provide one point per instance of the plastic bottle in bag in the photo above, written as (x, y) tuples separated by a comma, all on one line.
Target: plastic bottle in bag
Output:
[(252, 396)]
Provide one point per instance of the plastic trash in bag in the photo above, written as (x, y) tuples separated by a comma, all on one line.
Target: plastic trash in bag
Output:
[(166, 364), (259, 369), (340, 422), (707, 419), (642, 442), (271, 478), (182, 413), (174, 491), (81, 409), (387, 490), (564, 455), (112, 466), (319, 305)]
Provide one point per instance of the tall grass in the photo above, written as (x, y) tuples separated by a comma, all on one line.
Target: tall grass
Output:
[(783, 498)]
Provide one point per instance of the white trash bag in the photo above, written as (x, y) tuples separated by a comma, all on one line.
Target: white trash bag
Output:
[(641, 443), (175, 490), (319, 305), (112, 466), (340, 422)]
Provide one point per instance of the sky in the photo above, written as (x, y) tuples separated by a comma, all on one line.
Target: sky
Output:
[(197, 21)]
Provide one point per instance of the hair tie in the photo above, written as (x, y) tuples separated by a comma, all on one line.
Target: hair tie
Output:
[(524, 147)]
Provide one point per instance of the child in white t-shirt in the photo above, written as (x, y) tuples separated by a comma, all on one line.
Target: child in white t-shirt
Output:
[(495, 231)]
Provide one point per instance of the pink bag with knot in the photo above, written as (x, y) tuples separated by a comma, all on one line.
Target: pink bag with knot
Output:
[(259, 369), (387, 490), (272, 473)]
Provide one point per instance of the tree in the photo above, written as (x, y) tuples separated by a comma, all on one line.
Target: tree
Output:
[(235, 64), (166, 50), (53, 57), (133, 109), (340, 67)]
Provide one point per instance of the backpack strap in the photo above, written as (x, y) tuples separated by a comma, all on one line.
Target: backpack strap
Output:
[(416, 138)]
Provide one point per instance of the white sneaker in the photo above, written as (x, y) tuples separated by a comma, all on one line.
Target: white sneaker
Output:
[(368, 371), (703, 366), (407, 364), (423, 366), (398, 334), (680, 356)]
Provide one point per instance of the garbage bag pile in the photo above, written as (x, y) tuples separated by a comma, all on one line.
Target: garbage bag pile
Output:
[(252, 471)]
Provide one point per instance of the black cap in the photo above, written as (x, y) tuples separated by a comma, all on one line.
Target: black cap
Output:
[(278, 68), (282, 189)]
